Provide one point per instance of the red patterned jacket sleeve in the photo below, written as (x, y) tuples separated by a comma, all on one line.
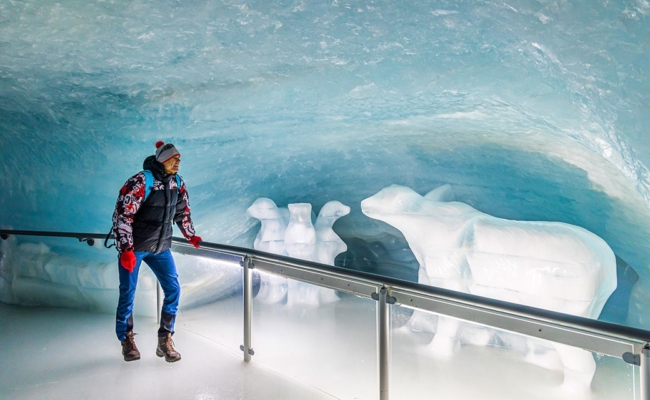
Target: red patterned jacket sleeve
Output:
[(182, 217), (128, 202)]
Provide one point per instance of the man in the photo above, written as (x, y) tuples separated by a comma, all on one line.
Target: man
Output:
[(142, 224)]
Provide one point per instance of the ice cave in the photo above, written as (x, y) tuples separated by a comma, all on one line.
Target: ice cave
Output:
[(497, 149)]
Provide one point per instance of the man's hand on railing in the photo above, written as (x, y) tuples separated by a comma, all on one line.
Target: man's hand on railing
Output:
[(127, 260), (195, 241)]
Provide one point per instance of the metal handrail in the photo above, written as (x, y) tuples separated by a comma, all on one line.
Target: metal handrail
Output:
[(413, 295), (630, 344), (456, 304)]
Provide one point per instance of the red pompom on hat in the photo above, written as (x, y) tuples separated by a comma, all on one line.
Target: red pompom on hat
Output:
[(165, 151)]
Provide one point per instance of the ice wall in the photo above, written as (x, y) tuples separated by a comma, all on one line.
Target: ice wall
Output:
[(532, 110)]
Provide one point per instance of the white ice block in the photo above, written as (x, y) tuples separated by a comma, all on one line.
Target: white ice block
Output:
[(549, 265)]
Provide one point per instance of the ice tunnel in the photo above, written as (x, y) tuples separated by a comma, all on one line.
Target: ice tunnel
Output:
[(531, 110)]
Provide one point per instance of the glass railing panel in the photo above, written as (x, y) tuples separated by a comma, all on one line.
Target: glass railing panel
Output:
[(211, 302), (58, 272), (615, 379), (330, 346), (464, 361), (62, 272), (317, 337)]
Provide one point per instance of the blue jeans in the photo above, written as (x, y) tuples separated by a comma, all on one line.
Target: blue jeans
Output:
[(164, 267)]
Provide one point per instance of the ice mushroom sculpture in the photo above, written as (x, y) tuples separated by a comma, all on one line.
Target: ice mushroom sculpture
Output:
[(297, 237), (549, 265)]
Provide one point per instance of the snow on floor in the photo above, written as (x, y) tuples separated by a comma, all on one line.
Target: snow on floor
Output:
[(301, 352)]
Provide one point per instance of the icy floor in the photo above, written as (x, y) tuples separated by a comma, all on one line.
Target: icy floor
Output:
[(66, 354), (301, 352)]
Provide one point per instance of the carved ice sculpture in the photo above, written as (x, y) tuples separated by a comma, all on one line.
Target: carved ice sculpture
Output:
[(297, 237), (328, 243), (549, 265), (300, 242), (270, 238)]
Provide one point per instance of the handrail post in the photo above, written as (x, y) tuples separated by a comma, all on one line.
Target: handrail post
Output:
[(159, 297), (645, 374), (247, 265), (383, 345)]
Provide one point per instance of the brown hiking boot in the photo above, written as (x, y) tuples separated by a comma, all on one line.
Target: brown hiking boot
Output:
[(129, 349), (166, 348)]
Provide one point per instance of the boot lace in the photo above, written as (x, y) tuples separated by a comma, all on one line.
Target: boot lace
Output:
[(169, 344), (130, 341)]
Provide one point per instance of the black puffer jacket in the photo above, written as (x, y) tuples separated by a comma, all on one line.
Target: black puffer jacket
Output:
[(152, 225), (147, 225)]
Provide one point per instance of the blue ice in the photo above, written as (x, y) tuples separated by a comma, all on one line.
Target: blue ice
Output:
[(531, 110)]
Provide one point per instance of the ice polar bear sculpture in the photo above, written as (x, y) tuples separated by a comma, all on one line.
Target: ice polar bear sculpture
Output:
[(290, 232), (549, 265)]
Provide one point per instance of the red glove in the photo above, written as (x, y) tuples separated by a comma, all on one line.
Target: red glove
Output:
[(195, 241), (127, 260)]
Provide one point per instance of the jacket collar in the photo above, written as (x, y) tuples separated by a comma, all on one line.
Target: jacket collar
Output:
[(156, 168)]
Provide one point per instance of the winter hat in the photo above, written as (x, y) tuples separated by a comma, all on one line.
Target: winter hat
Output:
[(165, 151)]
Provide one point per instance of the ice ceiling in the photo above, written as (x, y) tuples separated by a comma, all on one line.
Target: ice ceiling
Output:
[(531, 110)]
